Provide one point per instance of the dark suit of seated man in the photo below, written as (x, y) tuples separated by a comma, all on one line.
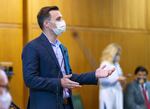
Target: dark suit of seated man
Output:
[(46, 67), (137, 93)]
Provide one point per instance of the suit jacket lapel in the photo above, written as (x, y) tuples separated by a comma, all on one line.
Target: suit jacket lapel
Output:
[(49, 48), (138, 91), (66, 61)]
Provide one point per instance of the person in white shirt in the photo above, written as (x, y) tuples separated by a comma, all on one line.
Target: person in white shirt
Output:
[(110, 90), (5, 97)]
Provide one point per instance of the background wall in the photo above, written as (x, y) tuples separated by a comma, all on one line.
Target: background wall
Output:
[(11, 38), (98, 23)]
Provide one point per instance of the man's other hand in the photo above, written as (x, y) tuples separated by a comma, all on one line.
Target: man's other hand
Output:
[(104, 71), (67, 83)]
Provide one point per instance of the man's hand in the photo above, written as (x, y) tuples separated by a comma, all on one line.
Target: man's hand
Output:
[(103, 72), (67, 83)]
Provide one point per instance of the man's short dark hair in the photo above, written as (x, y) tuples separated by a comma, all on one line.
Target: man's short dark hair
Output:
[(140, 69), (44, 14)]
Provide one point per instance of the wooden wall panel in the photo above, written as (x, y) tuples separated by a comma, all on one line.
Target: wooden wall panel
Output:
[(90, 11), (10, 50), (11, 11), (148, 14), (11, 44), (99, 13), (127, 15)]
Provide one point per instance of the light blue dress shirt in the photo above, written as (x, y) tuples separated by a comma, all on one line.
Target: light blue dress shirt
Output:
[(59, 56)]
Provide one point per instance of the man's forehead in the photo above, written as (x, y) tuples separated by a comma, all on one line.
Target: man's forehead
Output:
[(55, 13)]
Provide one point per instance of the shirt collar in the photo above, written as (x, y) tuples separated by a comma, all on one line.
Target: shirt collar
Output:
[(55, 43), (144, 85)]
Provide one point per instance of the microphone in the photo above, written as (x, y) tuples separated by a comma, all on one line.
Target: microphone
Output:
[(59, 73), (65, 62), (57, 93)]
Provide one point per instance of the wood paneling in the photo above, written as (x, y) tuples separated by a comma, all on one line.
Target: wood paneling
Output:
[(91, 13), (11, 11), (148, 14), (10, 50), (11, 44), (129, 14), (99, 13)]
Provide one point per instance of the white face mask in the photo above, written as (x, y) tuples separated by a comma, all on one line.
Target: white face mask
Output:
[(5, 100), (60, 27)]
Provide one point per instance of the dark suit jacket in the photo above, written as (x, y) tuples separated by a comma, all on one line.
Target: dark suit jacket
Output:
[(133, 96), (42, 73)]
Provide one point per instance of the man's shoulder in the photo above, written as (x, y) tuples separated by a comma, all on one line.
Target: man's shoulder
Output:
[(148, 83), (34, 42), (32, 45), (132, 84)]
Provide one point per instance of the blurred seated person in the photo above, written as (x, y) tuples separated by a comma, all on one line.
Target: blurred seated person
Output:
[(8, 70), (137, 93), (5, 97)]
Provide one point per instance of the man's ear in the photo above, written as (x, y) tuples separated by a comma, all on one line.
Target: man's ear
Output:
[(46, 24)]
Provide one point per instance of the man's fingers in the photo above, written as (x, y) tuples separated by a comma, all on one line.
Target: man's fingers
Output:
[(73, 82), (67, 83), (68, 76), (74, 86), (104, 71), (111, 71), (102, 67)]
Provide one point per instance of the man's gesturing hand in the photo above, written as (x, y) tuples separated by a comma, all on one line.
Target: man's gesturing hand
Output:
[(67, 83), (104, 71)]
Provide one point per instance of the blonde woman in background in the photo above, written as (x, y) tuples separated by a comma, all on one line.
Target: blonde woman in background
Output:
[(111, 95)]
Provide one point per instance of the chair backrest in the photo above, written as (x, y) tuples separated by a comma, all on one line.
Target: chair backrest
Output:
[(77, 101)]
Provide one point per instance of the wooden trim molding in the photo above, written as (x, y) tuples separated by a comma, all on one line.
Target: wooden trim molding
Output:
[(109, 29), (102, 29), (10, 25)]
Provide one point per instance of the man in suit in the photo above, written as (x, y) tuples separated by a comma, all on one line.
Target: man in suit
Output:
[(137, 93), (46, 67)]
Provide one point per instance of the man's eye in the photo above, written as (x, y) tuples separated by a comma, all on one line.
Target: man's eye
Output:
[(58, 20)]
